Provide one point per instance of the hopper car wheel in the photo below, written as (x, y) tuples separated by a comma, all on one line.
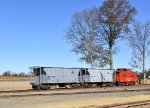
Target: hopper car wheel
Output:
[(35, 87), (88, 85), (45, 87), (75, 86)]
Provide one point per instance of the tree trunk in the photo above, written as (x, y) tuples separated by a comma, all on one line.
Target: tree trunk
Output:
[(91, 53), (111, 57), (92, 65), (144, 68)]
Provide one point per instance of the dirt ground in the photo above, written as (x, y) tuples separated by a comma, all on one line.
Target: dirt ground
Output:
[(91, 100), (9, 83), (73, 101), (14, 85)]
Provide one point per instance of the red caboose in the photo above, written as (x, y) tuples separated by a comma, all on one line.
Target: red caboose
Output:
[(125, 77)]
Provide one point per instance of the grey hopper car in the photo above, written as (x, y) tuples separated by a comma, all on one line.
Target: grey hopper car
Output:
[(53, 77)]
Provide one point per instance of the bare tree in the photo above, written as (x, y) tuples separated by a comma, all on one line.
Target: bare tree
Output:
[(114, 17), (135, 60), (139, 41), (84, 36), (7, 73)]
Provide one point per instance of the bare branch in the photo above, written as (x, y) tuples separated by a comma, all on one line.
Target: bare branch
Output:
[(114, 16), (139, 40), (85, 37)]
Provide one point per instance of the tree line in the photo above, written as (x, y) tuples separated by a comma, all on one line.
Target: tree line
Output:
[(94, 33), (9, 73)]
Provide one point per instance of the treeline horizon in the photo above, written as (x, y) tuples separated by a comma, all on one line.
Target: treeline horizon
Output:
[(16, 74)]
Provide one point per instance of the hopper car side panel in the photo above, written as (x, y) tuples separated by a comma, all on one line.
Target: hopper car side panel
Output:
[(61, 75)]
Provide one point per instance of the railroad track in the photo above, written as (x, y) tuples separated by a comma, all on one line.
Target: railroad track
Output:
[(31, 90), (128, 105), (59, 89), (123, 105), (26, 94)]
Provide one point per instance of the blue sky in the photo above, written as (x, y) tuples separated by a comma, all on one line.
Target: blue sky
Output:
[(32, 33)]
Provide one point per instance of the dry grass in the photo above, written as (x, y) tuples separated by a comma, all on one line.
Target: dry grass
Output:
[(14, 85), (10, 83), (71, 101), (94, 102), (12, 78)]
